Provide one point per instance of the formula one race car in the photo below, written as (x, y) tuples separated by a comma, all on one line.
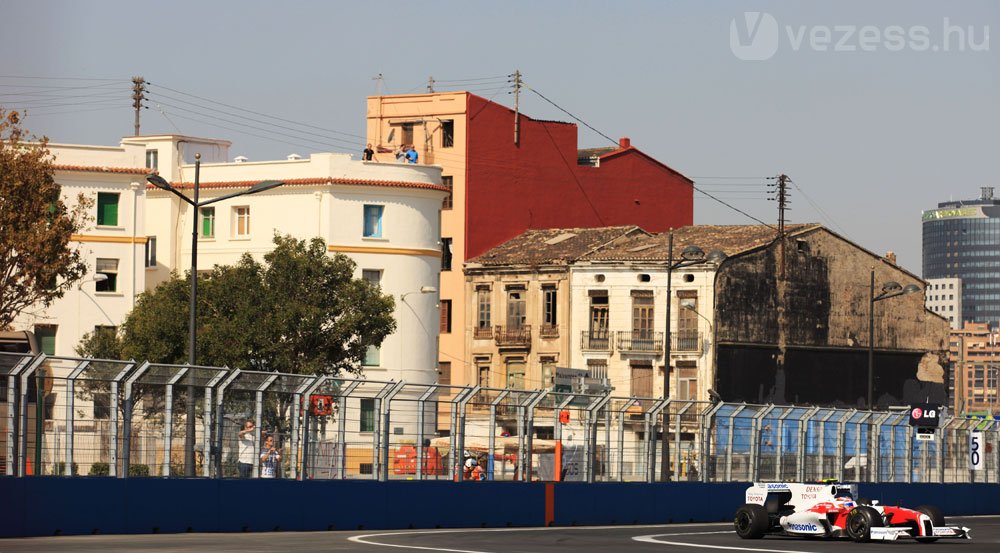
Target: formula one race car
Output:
[(829, 510)]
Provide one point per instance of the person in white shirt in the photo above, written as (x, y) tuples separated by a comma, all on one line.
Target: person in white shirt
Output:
[(246, 458)]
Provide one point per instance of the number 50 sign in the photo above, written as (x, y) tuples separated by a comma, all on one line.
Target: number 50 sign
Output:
[(976, 450)]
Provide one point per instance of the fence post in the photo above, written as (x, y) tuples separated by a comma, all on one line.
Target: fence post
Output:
[(755, 442), (621, 436), (220, 410), (461, 403), (529, 430), (422, 451), (342, 428), (490, 472), (23, 424), (590, 440), (800, 462), (384, 445), (70, 396), (709, 418), (14, 453)]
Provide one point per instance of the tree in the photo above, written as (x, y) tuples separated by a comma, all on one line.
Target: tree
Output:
[(37, 263), (299, 312)]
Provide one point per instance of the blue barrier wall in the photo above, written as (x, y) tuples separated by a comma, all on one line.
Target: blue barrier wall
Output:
[(45, 506)]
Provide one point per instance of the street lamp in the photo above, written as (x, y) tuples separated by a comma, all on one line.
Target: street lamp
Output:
[(690, 255), (402, 299), (159, 182), (890, 289)]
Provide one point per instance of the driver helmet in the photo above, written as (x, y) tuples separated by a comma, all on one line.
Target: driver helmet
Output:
[(846, 497)]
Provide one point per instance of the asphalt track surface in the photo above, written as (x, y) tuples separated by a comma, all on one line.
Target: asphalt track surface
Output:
[(673, 538)]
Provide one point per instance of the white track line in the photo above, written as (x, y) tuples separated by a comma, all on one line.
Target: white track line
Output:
[(652, 539), (366, 538)]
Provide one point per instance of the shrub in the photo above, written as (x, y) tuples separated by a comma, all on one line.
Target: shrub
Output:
[(99, 469)]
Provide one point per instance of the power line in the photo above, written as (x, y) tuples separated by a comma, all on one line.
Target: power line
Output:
[(581, 121), (259, 113), (211, 109)]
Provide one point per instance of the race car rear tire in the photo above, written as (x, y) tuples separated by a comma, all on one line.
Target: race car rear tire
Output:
[(751, 521), (937, 519), (860, 522)]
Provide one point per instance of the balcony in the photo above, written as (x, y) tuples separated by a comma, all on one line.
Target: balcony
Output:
[(686, 342), (595, 340), (482, 333), (548, 331), (640, 341), (513, 336)]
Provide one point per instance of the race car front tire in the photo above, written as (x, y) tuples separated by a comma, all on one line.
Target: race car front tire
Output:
[(751, 521), (860, 522)]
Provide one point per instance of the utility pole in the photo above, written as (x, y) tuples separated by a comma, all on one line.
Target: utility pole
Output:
[(138, 90), (517, 114), (781, 195), (430, 84)]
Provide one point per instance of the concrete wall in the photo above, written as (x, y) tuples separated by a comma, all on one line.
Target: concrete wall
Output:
[(53, 506)]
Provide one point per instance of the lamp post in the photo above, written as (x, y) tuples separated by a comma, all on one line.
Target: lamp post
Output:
[(159, 182), (402, 299), (690, 255), (890, 289)]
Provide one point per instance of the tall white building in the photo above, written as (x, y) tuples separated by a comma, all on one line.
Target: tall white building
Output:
[(385, 216)]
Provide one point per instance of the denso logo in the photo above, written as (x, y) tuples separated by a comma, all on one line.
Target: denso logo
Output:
[(777, 486), (803, 527), (814, 489)]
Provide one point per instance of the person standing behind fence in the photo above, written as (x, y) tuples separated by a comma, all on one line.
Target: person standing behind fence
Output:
[(245, 460), (270, 459)]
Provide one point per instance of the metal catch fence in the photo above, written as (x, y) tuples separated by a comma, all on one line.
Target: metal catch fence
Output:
[(64, 416)]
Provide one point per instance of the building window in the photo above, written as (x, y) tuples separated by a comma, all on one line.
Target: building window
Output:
[(241, 222), (516, 311), (373, 221), (598, 368), (599, 322), (444, 373), (367, 415), (107, 209), (687, 320), (445, 316), (46, 336), (687, 380), (642, 378), (483, 328), (642, 315), (446, 254), (515, 373), (152, 159), (548, 371), (207, 225), (372, 356), (483, 373), (150, 253), (447, 133), (549, 305), (372, 276), (407, 134), (109, 268), (449, 183)]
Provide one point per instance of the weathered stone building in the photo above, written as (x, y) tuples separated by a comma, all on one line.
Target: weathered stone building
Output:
[(750, 328)]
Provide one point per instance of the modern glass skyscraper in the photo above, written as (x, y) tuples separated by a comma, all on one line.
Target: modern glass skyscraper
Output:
[(962, 240)]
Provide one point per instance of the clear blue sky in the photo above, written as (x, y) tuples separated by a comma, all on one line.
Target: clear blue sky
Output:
[(870, 137)]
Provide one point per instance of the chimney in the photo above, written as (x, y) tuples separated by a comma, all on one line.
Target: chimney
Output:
[(624, 143), (293, 157), (890, 256), (241, 159)]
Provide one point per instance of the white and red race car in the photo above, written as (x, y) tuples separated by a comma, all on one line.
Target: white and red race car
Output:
[(829, 510)]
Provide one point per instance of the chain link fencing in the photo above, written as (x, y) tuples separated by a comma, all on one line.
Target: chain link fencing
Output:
[(75, 417)]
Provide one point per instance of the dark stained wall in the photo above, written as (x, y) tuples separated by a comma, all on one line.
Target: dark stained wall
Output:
[(804, 338)]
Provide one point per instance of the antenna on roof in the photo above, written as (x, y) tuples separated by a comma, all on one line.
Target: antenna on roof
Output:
[(379, 84)]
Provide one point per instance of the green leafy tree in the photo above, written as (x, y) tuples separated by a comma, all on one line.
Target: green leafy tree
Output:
[(299, 312), (37, 262)]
